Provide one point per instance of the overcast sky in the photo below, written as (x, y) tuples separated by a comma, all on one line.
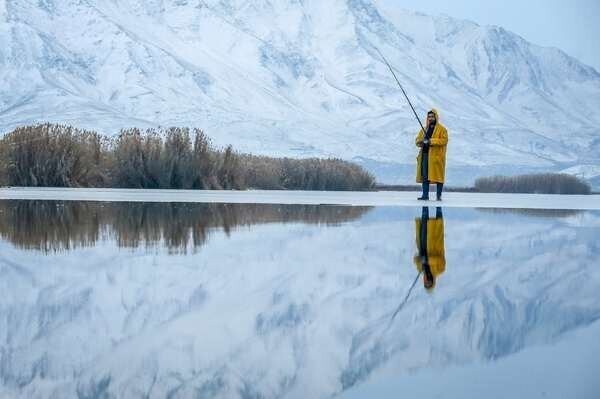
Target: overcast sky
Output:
[(571, 25)]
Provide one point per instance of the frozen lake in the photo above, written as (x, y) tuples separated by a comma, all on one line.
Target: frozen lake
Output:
[(233, 300), (360, 198)]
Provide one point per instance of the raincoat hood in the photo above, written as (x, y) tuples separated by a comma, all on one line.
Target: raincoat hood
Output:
[(437, 116)]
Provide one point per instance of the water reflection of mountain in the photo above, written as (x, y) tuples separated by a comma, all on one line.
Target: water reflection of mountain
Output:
[(290, 311), (64, 225), (524, 286)]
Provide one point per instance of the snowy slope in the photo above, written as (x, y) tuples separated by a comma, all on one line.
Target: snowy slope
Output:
[(294, 311), (299, 78)]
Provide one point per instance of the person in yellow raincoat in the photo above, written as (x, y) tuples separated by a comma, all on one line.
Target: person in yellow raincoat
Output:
[(431, 161), (431, 258)]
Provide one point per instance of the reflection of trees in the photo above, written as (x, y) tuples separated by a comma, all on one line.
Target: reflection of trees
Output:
[(549, 213), (49, 225), (63, 225)]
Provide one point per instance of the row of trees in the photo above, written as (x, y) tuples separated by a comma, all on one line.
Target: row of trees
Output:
[(180, 158), (542, 183)]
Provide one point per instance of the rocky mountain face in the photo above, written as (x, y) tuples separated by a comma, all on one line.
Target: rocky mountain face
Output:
[(301, 78)]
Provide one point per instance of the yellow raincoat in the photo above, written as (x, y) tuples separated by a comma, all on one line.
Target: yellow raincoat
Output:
[(436, 253), (437, 152)]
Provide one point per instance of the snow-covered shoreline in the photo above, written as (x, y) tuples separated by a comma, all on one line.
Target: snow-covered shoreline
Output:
[(379, 198)]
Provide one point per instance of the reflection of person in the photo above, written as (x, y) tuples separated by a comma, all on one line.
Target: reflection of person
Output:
[(431, 161), (431, 259)]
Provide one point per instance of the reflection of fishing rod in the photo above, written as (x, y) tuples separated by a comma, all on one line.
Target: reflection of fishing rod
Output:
[(380, 323), (401, 88), (405, 299)]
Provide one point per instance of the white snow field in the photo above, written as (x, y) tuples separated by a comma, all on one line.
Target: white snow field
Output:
[(372, 198)]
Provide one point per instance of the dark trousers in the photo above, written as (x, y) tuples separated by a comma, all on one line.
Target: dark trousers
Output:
[(425, 175), (423, 231), (423, 234)]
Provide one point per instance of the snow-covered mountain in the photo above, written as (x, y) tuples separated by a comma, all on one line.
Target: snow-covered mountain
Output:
[(300, 78), (295, 311)]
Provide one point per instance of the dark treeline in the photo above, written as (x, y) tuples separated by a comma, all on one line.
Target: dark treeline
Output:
[(178, 158), (544, 183), (62, 225)]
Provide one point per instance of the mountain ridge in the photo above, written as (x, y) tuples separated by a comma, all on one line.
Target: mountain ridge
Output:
[(301, 78)]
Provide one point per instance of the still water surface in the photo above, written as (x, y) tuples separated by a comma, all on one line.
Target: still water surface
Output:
[(251, 301)]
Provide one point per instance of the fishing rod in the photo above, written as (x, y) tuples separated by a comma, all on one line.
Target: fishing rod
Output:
[(401, 88)]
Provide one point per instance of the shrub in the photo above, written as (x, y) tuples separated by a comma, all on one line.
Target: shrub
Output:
[(546, 183), (305, 174), (53, 155), (63, 156)]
